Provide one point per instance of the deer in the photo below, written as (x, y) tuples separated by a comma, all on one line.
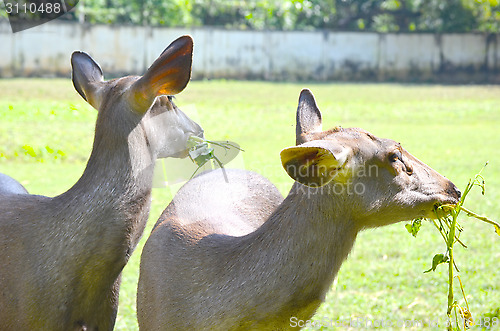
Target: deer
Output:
[(9, 185), (61, 257), (237, 256)]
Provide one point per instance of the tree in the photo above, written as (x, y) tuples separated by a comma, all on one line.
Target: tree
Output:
[(338, 15)]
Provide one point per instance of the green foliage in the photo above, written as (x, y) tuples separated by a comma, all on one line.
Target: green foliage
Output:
[(414, 226), (450, 230), (141, 12), (201, 152), (437, 260), (347, 15)]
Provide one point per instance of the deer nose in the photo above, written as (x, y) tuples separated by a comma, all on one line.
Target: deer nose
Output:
[(453, 191), (198, 131)]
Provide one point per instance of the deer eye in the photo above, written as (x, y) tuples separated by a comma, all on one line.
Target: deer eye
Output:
[(394, 156)]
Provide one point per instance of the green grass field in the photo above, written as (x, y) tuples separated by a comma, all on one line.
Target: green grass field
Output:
[(46, 133)]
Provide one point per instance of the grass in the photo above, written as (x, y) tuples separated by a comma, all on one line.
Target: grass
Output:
[(454, 129)]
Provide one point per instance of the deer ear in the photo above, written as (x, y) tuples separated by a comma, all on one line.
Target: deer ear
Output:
[(314, 166), (87, 78), (169, 74), (308, 116)]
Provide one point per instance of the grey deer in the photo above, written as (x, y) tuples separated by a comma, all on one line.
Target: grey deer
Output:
[(9, 185), (61, 257), (237, 257)]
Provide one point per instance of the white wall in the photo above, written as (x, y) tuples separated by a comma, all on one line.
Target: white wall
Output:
[(276, 55)]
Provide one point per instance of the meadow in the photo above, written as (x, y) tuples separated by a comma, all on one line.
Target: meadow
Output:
[(46, 134)]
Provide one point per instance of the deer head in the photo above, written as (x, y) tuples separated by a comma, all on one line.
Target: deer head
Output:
[(377, 178), (144, 98)]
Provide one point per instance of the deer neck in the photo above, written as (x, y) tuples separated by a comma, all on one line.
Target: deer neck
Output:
[(308, 236), (115, 187)]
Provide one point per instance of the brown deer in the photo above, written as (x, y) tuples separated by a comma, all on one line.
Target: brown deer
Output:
[(237, 257), (61, 257)]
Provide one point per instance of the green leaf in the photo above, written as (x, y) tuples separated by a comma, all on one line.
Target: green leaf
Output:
[(28, 150), (437, 260), (200, 151), (201, 154), (414, 227)]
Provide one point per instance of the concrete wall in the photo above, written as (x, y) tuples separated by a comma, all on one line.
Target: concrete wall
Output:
[(274, 55)]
